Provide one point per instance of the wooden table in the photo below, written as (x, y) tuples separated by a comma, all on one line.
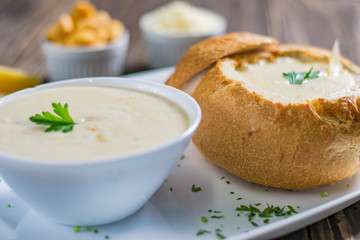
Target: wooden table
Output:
[(23, 24)]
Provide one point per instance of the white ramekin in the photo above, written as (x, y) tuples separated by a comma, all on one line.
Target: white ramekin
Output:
[(166, 50), (103, 191), (75, 62)]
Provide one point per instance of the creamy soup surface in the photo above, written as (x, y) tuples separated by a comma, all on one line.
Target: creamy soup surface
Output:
[(267, 79), (109, 122)]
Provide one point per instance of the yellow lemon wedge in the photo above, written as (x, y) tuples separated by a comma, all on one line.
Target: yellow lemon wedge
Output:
[(12, 80)]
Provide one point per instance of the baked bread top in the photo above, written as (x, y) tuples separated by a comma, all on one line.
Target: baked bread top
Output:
[(205, 53)]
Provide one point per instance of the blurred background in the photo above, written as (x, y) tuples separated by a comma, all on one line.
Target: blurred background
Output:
[(23, 24)]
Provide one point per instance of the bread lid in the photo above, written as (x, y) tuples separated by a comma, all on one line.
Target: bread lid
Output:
[(207, 52)]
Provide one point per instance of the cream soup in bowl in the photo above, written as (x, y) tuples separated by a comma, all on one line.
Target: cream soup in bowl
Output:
[(109, 122), (126, 137)]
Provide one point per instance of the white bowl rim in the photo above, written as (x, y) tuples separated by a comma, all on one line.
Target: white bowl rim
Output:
[(144, 17), (88, 49), (96, 81)]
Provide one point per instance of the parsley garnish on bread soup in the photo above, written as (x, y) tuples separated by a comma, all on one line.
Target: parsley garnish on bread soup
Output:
[(259, 126)]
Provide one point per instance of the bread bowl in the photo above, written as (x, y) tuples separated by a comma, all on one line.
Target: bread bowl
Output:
[(291, 136)]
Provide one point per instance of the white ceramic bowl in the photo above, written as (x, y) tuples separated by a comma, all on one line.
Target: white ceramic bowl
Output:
[(74, 62), (166, 50), (104, 191)]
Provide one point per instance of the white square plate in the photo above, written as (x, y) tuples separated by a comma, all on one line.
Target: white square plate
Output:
[(175, 211)]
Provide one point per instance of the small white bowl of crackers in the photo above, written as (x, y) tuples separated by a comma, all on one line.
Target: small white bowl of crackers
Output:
[(84, 43)]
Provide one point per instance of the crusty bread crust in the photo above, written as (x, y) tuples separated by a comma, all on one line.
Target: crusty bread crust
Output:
[(291, 146), (205, 53)]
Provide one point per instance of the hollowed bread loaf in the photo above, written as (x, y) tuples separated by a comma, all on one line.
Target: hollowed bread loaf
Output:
[(265, 130)]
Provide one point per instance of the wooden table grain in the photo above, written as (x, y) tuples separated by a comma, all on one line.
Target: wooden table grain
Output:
[(311, 22)]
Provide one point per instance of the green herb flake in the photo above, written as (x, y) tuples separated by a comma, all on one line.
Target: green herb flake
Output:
[(204, 219), (299, 78), (88, 229), (243, 208), (96, 231), (182, 157), (9, 205), (77, 228), (268, 212), (171, 189), (254, 209), (264, 214), (231, 192), (257, 204), (239, 198), (251, 216), (219, 234), (107, 237), (222, 177), (195, 189), (217, 211), (266, 220), (228, 182), (217, 216), (291, 209), (201, 232), (324, 194), (61, 122), (209, 210), (254, 224)]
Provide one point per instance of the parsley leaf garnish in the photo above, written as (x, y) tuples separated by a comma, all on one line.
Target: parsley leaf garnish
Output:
[(299, 78), (61, 122)]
